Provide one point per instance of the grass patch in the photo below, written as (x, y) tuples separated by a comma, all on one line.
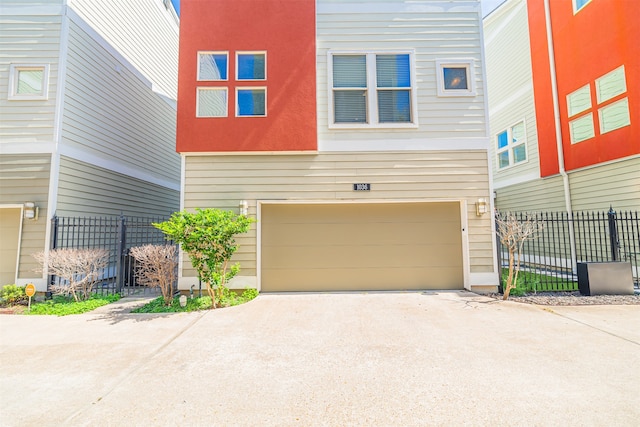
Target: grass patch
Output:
[(533, 282), (64, 306), (229, 299)]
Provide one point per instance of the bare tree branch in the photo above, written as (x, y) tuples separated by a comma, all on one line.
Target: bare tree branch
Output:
[(156, 266), (78, 269)]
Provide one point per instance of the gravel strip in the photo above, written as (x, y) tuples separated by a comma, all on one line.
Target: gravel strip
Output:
[(573, 298)]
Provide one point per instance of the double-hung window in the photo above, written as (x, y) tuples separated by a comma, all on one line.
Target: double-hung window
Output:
[(511, 146), (372, 89)]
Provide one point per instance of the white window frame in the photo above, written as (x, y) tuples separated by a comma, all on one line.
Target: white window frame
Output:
[(212, 52), (510, 146), (251, 52), (238, 88), (14, 70), (577, 9), (211, 88), (468, 65), (372, 90)]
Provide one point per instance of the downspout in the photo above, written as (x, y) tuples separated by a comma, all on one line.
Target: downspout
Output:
[(558, 126)]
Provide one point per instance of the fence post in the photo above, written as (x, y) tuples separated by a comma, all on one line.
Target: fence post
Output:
[(120, 249), (613, 234)]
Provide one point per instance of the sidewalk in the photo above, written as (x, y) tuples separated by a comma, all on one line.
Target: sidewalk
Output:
[(379, 359)]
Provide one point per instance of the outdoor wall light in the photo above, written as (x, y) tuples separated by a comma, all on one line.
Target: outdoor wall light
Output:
[(481, 206), (244, 207), (30, 211)]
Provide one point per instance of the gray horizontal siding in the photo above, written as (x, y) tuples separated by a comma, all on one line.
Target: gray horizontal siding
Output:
[(110, 113), (25, 178), (28, 40), (88, 190)]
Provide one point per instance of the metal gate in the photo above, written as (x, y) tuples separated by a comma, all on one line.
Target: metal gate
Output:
[(116, 234)]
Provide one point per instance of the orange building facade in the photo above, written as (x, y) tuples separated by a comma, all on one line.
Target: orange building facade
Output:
[(597, 69)]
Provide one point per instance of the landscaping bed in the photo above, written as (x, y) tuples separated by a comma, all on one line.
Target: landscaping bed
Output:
[(572, 298)]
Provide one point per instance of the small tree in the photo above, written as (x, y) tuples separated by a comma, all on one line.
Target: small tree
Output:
[(156, 266), (208, 236), (78, 269), (513, 233)]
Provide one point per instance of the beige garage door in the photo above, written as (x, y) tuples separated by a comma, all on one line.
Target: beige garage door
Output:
[(385, 246), (9, 238)]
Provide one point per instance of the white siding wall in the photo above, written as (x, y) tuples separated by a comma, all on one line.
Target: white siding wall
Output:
[(111, 116), (27, 39), (510, 87), (436, 30), (143, 31)]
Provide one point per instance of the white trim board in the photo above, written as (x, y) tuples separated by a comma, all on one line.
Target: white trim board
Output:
[(441, 144), (116, 167)]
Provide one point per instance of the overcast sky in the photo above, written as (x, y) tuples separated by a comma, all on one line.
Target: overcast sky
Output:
[(487, 5)]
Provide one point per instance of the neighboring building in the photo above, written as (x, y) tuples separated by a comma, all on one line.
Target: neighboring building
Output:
[(563, 80), (87, 118), (356, 133)]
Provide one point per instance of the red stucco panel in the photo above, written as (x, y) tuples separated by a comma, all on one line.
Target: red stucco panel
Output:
[(285, 29)]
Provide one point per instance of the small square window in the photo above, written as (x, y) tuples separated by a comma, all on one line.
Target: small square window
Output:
[(28, 82), (579, 100), (611, 85), (614, 116), (251, 66), (581, 128), (211, 102), (251, 102), (213, 66), (455, 78)]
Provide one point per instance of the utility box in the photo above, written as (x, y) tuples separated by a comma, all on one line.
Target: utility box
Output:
[(605, 278)]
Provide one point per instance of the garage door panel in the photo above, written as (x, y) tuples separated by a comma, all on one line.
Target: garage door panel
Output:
[(9, 239), (360, 279), (365, 234), (361, 246), (398, 256), (353, 213)]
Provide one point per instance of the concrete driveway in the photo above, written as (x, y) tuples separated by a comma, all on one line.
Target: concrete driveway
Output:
[(432, 358)]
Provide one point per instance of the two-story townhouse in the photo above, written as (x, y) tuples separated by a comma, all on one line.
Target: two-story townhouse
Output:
[(564, 104), (87, 118), (354, 132)]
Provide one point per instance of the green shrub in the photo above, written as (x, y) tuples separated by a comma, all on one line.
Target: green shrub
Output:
[(229, 298), (13, 294)]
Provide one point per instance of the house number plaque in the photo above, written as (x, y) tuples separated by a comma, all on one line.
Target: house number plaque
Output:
[(361, 187)]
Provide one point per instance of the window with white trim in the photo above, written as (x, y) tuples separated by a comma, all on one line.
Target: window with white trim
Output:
[(455, 77), (28, 82), (372, 89), (511, 146), (211, 102), (251, 66), (251, 101), (612, 107), (213, 66)]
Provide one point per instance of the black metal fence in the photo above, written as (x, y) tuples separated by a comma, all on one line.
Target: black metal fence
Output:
[(548, 262), (116, 234)]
